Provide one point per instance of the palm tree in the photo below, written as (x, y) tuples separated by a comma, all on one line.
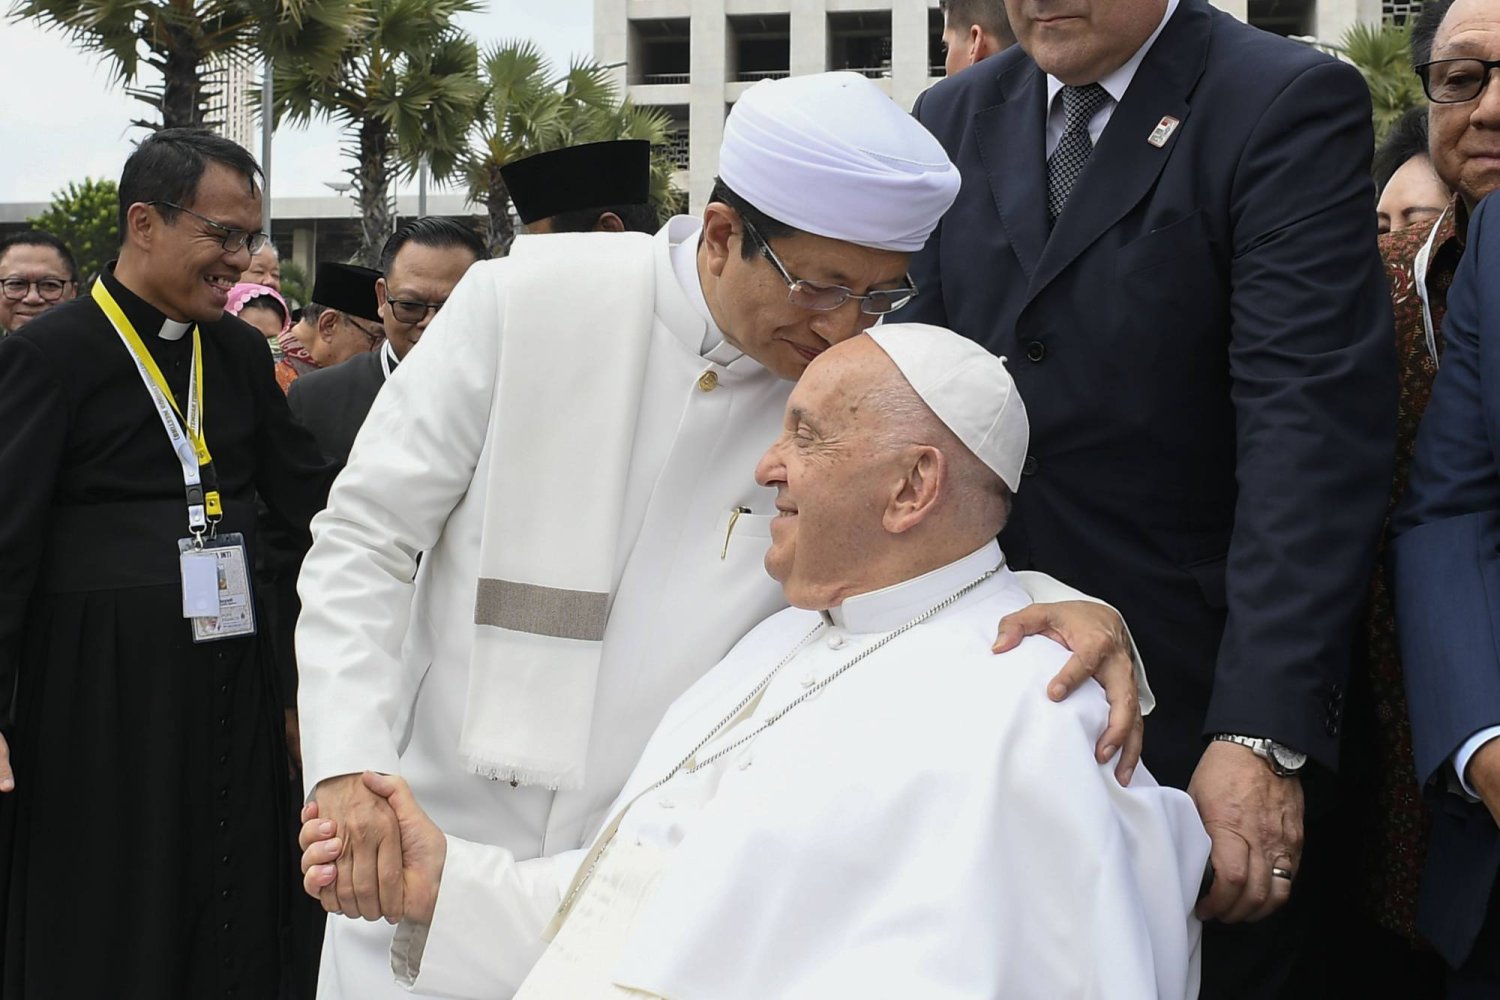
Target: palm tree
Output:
[(177, 37), (1382, 54), (528, 110), (405, 87)]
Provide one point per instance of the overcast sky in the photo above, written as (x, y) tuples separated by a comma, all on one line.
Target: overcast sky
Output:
[(65, 120)]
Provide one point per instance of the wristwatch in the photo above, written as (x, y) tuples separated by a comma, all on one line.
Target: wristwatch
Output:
[(1282, 759)]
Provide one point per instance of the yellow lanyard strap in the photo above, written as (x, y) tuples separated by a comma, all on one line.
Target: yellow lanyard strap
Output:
[(192, 424)]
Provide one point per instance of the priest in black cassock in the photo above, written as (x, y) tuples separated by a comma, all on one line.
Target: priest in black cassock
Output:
[(142, 845)]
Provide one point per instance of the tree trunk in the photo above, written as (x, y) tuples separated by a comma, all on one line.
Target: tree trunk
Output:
[(371, 183), (500, 233), (182, 97)]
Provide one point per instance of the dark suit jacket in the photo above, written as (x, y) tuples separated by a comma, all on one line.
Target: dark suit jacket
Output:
[(1445, 560), (1204, 345), (333, 402)]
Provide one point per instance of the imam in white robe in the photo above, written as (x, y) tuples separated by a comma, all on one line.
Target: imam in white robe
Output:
[(384, 659), (928, 825)]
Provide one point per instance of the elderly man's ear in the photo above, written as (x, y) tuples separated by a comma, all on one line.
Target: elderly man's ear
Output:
[(916, 494)]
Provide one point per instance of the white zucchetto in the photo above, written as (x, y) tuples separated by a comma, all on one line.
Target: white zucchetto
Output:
[(969, 389), (831, 154)]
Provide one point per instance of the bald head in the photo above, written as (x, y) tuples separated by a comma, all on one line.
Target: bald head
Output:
[(872, 488)]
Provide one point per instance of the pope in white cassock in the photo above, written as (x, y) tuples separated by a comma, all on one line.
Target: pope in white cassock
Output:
[(855, 802), (568, 452)]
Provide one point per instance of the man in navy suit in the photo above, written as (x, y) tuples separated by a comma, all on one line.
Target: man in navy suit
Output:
[(1165, 223), (1446, 563)]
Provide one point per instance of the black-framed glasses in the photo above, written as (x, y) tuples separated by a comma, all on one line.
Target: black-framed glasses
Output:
[(231, 239), (48, 289), (1454, 81), (825, 298), (411, 311)]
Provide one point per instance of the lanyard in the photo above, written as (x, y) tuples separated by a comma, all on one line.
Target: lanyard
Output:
[(185, 433), (1419, 276)]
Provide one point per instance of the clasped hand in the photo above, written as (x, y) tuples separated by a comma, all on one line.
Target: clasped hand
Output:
[(369, 851)]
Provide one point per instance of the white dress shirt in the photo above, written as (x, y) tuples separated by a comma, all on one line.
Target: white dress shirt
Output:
[(1115, 84)]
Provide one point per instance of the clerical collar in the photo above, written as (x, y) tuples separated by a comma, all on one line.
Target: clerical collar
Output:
[(171, 329), (388, 359), (142, 314), (894, 606), (682, 234)]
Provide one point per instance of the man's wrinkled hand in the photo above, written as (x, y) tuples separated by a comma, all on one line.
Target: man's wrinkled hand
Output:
[(424, 849), (1484, 776), (369, 861), (1254, 818), (1100, 645)]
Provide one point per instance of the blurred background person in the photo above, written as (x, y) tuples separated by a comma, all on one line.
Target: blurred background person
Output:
[(1410, 191), (422, 261), (37, 272), (596, 187), (973, 30), (263, 308), (339, 322), (265, 267)]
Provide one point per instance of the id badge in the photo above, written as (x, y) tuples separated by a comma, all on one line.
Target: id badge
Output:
[(216, 593)]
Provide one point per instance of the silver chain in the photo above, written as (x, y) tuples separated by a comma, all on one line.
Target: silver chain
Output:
[(691, 766)]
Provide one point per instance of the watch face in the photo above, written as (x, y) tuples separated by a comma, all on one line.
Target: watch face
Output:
[(1287, 758)]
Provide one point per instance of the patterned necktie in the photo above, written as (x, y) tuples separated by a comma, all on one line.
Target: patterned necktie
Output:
[(1080, 104)]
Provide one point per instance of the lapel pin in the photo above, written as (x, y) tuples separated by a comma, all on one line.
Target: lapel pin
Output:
[(1163, 131)]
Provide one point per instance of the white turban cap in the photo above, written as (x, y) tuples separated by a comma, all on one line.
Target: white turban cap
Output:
[(968, 388), (831, 154)]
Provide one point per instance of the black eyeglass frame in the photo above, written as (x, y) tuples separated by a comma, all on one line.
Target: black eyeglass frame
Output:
[(795, 285), (398, 304), (1424, 74), (62, 286), (251, 240)]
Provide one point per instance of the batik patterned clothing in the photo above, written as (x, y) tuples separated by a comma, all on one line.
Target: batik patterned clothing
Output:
[(1397, 818)]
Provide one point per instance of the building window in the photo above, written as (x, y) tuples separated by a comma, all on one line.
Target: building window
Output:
[(861, 42), (760, 47), (937, 53), (659, 51), (1281, 17), (677, 134)]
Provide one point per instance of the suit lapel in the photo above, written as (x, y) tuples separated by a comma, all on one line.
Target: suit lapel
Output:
[(1012, 141), (1124, 165)]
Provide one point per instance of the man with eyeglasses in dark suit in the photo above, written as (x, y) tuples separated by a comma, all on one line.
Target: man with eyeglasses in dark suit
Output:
[(37, 272)]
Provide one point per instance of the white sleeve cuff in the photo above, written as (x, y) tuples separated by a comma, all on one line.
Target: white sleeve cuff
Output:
[(1044, 589), (1466, 752), (487, 925)]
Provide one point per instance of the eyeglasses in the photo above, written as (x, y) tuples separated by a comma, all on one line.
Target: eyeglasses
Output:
[(374, 336), (410, 311), (825, 298), (232, 240), (50, 289), (1454, 81)]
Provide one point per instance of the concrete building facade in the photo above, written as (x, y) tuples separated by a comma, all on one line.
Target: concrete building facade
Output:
[(694, 58)]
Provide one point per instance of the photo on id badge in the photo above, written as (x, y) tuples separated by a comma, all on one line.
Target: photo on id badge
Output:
[(216, 587)]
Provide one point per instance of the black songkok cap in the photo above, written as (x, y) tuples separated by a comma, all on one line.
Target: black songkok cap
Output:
[(348, 288), (594, 175)]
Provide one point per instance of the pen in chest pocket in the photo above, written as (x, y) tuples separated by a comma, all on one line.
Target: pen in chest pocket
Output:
[(734, 516)]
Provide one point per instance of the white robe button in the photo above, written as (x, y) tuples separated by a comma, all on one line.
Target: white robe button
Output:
[(666, 802), (809, 679), (836, 641)]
